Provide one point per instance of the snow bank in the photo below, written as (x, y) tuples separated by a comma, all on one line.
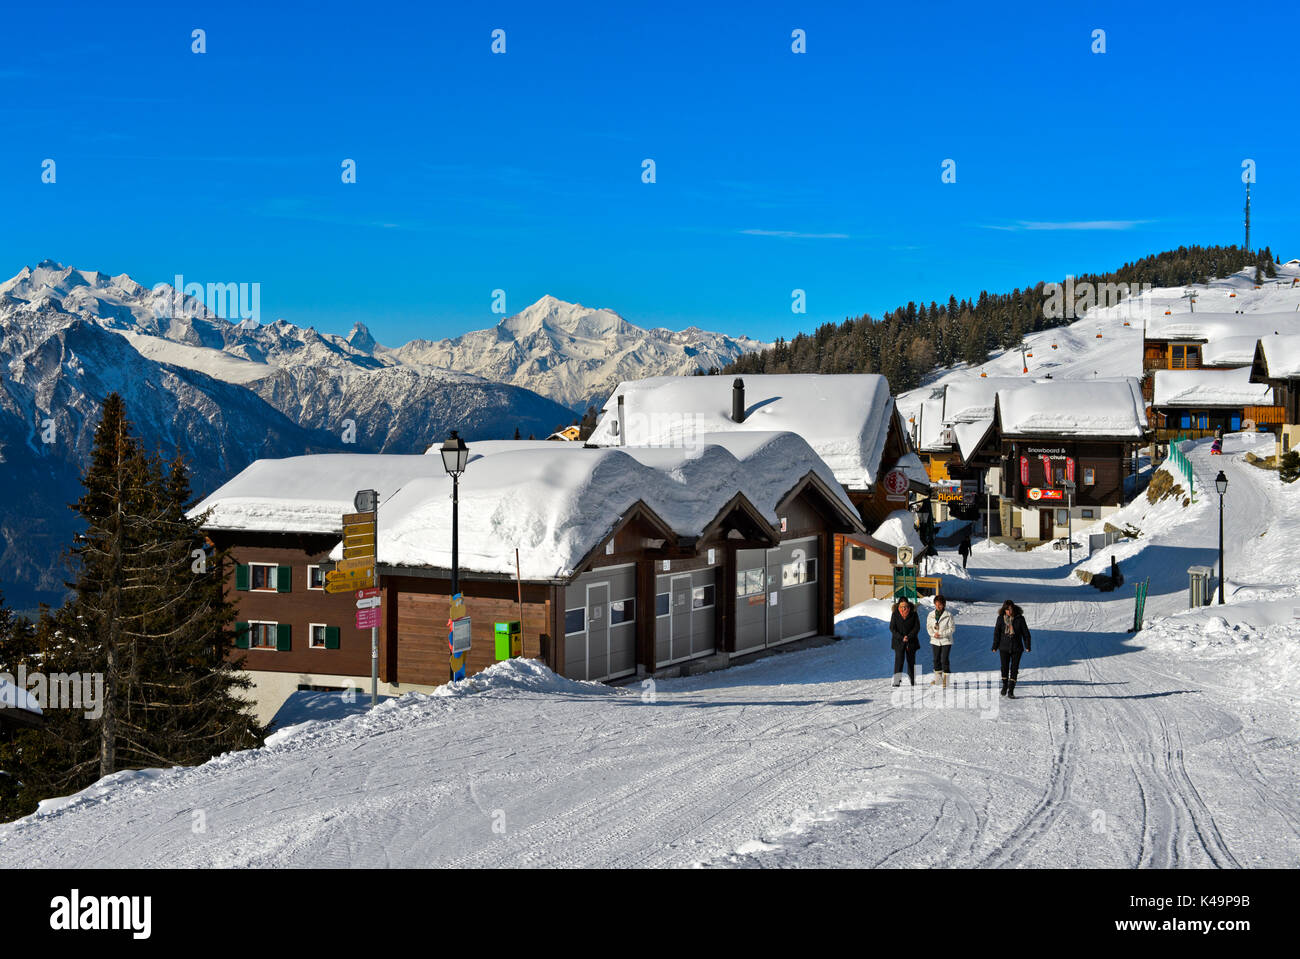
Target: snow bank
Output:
[(867, 620)]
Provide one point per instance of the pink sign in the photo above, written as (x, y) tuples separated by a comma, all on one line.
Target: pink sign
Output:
[(367, 619)]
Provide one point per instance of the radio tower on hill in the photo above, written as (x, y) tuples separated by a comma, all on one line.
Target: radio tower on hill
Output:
[(1247, 216)]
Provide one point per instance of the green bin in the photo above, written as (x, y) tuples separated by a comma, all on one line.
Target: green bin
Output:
[(509, 640)]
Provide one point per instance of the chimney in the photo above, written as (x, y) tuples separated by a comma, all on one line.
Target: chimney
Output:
[(738, 400), (622, 423)]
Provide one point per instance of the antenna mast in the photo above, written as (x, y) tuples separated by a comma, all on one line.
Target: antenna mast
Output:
[(1247, 216)]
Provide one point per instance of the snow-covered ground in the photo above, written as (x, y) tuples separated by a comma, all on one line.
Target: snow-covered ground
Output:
[(1175, 746)]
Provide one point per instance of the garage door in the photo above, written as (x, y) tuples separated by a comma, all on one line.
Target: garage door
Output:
[(776, 594), (685, 615), (600, 624)]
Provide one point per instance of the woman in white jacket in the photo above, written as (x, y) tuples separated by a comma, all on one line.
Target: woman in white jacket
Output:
[(941, 626)]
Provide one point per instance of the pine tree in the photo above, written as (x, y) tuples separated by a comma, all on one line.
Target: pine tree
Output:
[(149, 606), (1289, 468)]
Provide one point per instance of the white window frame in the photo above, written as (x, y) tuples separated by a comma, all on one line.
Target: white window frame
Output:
[(311, 635), (321, 587), (271, 578), (274, 647)]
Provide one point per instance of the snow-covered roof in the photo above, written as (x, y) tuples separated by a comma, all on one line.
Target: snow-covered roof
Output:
[(911, 464), (899, 529), (1229, 351), (555, 502), (1209, 388), (1210, 327), (966, 406), (844, 417), (310, 494), (1281, 356), (1101, 407)]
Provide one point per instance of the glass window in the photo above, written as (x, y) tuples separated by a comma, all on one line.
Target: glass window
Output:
[(859, 553), (799, 572), (1089, 476), (316, 639), (749, 582), (663, 604), (315, 578), (622, 611), (1088, 514), (262, 576), (575, 621), (701, 596), (1062, 517), (261, 635)]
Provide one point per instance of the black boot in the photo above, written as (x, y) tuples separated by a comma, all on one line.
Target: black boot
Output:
[(1004, 686), (1011, 689)]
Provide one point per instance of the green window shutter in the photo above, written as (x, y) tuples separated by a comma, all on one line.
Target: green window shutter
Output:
[(331, 637), (283, 579), (241, 634), (241, 576), (282, 631)]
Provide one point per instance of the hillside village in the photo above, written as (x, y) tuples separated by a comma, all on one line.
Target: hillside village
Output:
[(742, 522), (707, 519)]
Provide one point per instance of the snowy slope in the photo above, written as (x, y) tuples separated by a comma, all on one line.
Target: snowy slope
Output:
[(1077, 351)]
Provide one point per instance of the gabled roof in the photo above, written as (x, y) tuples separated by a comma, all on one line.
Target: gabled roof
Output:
[(1276, 358), (845, 418), (1100, 408)]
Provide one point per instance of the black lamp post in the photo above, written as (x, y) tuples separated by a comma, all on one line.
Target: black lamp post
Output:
[(455, 456), (1221, 484)]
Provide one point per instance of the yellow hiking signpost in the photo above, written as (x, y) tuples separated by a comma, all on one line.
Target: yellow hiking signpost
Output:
[(357, 568)]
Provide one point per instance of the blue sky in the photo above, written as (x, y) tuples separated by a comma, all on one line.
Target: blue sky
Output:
[(775, 170)]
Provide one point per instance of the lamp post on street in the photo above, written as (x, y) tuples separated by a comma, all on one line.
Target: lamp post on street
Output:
[(455, 457), (1221, 484)]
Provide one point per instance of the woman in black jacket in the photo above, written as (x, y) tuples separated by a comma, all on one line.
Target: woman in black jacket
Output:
[(904, 631), (1010, 639)]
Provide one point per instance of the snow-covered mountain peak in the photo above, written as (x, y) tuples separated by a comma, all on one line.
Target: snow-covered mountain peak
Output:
[(551, 314)]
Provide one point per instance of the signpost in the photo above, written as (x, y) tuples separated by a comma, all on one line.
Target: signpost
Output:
[(1069, 509), (356, 572)]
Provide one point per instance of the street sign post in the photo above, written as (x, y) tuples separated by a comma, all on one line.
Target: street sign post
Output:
[(348, 581), (356, 571)]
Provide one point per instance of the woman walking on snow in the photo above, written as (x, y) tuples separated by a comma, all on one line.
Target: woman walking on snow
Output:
[(904, 631), (1010, 639), (941, 626)]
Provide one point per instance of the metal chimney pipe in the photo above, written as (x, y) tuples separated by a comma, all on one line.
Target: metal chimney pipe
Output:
[(622, 423), (738, 400)]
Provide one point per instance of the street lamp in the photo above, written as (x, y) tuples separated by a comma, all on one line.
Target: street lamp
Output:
[(1221, 484), (455, 457)]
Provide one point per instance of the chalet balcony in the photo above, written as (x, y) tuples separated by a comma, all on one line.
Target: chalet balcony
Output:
[(1266, 415)]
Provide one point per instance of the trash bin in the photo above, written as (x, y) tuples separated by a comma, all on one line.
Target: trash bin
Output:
[(1198, 586), (509, 640)]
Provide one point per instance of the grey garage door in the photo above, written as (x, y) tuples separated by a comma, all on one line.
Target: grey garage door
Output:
[(776, 594), (600, 624), (685, 615)]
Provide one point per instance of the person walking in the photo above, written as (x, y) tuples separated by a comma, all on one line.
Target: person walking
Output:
[(905, 632), (964, 549), (1010, 640), (941, 627)]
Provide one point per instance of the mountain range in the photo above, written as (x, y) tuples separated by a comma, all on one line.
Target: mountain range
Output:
[(223, 393)]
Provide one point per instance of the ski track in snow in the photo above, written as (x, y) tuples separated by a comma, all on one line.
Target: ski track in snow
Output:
[(1116, 752)]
